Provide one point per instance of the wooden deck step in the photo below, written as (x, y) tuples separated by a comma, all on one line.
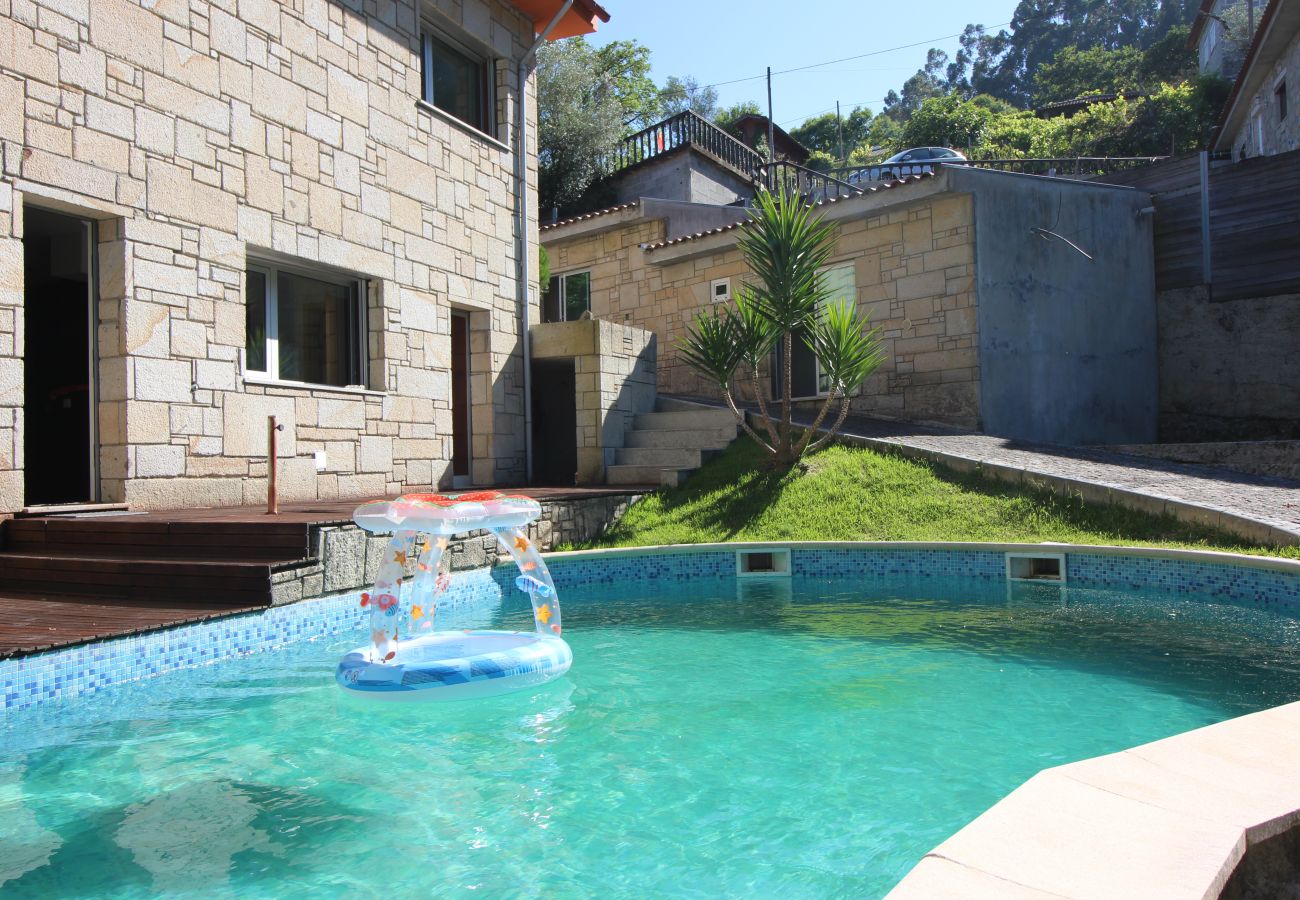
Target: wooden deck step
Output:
[(34, 621), (222, 583)]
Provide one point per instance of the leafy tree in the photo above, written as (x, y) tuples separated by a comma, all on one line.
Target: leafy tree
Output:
[(580, 118), (625, 67), (822, 133), (680, 94), (949, 121), (1096, 70), (786, 247), (929, 81), (727, 118)]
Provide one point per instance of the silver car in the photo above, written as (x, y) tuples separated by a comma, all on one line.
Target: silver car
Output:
[(916, 161)]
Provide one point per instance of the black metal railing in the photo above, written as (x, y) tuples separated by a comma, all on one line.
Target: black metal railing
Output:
[(1081, 167), (685, 129), (784, 175)]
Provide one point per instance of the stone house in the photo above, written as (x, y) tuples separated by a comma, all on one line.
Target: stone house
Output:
[(1020, 305), (1260, 117), (213, 212)]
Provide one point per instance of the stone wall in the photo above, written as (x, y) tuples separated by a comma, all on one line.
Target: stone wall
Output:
[(345, 558), (1229, 371), (1278, 135), (614, 382), (914, 272), (198, 134)]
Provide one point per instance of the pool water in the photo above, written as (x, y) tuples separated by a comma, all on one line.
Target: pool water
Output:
[(764, 739)]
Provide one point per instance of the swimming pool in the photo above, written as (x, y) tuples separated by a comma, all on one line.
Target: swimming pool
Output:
[(803, 736)]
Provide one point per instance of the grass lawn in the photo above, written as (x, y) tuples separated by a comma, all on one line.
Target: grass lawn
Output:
[(847, 493)]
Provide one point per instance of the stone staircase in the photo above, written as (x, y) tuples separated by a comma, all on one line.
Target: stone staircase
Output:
[(664, 447)]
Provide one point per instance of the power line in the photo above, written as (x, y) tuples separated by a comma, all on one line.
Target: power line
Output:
[(831, 62)]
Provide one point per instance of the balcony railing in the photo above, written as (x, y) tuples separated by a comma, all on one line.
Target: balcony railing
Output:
[(686, 129), (1081, 167), (808, 183)]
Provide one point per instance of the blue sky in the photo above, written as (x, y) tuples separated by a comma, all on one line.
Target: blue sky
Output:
[(724, 40)]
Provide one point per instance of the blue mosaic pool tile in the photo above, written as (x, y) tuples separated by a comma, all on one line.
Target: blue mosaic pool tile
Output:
[(78, 671), (83, 670)]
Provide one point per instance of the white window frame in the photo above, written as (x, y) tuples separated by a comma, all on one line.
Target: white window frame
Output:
[(563, 306), (714, 296), (270, 270), (475, 51), (853, 298)]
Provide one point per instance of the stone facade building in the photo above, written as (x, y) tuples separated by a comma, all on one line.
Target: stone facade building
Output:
[(1260, 117), (212, 212), (989, 318)]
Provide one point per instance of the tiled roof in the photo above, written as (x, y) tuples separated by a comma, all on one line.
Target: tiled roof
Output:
[(589, 215), (906, 179)]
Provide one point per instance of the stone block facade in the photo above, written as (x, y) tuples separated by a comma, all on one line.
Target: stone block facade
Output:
[(614, 381), (913, 271), (200, 137)]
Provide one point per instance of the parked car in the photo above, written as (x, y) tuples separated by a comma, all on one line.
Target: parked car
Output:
[(915, 161)]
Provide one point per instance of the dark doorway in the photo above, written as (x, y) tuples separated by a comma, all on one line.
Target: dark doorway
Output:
[(460, 423), (555, 423), (58, 398), (803, 369)]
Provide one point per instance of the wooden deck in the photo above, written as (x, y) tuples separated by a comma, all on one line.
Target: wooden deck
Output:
[(71, 579)]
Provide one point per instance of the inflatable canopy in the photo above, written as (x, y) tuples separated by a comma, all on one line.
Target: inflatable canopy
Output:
[(407, 657)]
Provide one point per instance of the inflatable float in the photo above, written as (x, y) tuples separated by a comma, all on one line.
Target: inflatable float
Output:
[(407, 658)]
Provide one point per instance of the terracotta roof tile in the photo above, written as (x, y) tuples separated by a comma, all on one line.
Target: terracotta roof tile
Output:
[(589, 215)]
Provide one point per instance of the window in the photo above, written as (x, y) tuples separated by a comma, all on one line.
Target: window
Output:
[(720, 290), (841, 285), (457, 79), (305, 327), (1280, 93), (567, 298)]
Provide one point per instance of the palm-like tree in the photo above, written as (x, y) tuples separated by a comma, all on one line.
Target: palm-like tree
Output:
[(786, 247)]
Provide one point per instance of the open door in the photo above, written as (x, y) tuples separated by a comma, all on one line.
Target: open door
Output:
[(460, 405), (58, 359)]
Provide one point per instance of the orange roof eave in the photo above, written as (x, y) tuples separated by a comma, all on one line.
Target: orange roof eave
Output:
[(581, 18)]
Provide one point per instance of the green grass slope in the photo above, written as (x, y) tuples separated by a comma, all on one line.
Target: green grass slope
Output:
[(845, 493)]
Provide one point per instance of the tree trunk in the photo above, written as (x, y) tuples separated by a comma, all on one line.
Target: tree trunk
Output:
[(839, 420), (740, 417), (762, 406), (783, 456), (817, 423)]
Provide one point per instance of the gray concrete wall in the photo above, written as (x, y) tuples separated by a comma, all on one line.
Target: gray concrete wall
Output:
[(683, 175), (1229, 371), (681, 218), (1067, 344)]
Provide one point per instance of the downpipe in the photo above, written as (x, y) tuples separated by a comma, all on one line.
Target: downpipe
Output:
[(521, 227)]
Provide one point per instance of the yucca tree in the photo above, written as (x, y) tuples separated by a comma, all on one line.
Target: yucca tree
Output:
[(786, 246)]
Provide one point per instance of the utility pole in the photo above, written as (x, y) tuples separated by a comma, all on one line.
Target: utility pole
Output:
[(771, 132), (839, 125)]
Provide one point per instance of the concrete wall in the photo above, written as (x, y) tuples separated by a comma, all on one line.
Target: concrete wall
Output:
[(615, 381), (200, 133), (686, 174), (681, 218), (1067, 344), (1229, 371)]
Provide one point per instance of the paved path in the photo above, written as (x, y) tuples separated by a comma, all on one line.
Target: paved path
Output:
[(1254, 507)]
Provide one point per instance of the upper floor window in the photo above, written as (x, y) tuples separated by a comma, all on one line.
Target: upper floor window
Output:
[(305, 325), (567, 297), (1279, 92), (457, 79)]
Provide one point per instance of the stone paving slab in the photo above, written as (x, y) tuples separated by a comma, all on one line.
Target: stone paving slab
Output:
[(1255, 507)]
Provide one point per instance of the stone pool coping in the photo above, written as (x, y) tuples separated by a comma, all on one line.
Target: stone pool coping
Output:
[(1172, 818)]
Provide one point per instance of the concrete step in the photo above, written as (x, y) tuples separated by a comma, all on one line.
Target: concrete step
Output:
[(628, 474), (664, 457), (685, 421), (672, 404), (703, 438)]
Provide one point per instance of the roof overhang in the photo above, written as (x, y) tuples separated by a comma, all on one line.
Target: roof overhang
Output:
[(581, 18), (1278, 26)]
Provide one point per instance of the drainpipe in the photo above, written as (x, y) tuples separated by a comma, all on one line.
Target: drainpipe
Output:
[(521, 227)]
